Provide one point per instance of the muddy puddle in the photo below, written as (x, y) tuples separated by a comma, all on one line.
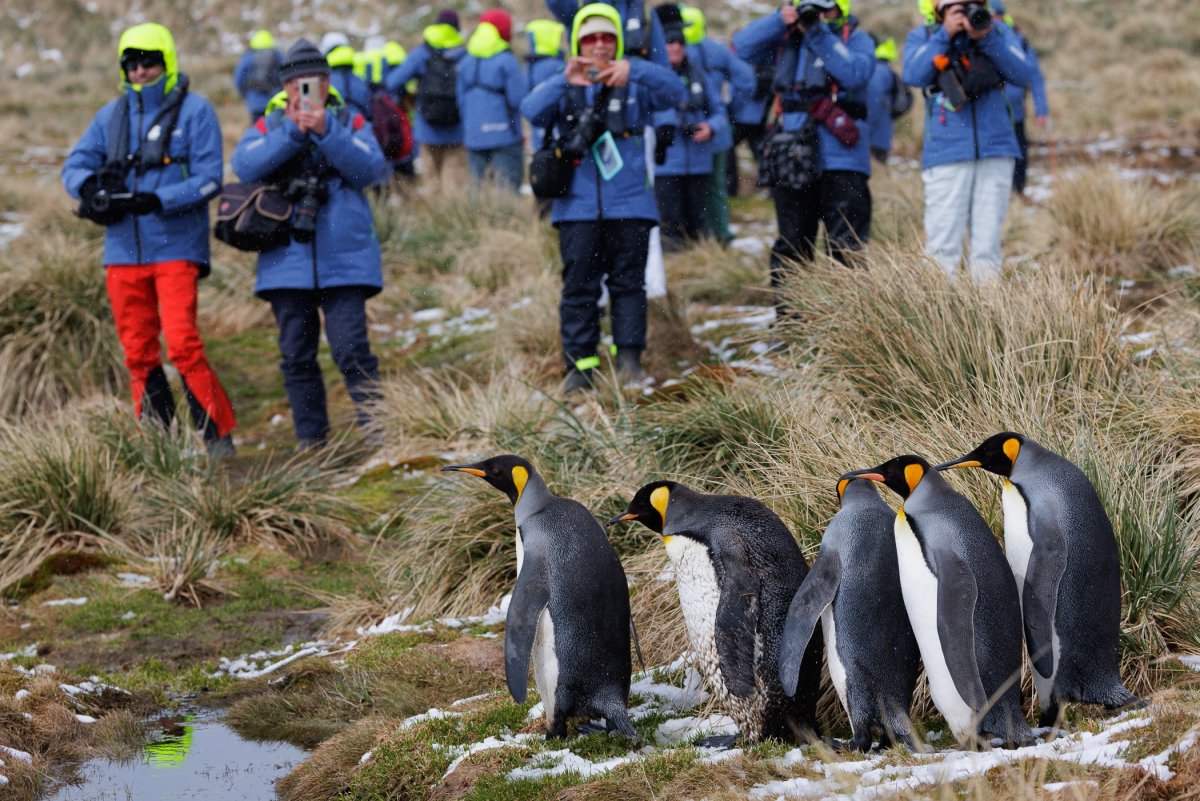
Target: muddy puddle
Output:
[(202, 759)]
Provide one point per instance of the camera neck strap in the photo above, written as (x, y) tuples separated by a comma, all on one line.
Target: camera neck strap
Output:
[(154, 146)]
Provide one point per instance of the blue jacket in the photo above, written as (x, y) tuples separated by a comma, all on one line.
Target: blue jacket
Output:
[(345, 250), (724, 67), (628, 195), (536, 71), (490, 91), (1037, 84), (686, 156), (256, 101), (635, 14), (180, 230), (353, 89), (414, 67), (880, 96), (822, 55), (983, 128)]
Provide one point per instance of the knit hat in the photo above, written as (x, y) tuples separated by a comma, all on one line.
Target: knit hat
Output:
[(303, 59), (498, 18), (672, 22), (447, 17)]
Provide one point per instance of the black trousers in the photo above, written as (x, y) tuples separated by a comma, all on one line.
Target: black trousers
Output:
[(682, 209), (743, 132), (841, 200), (1023, 160), (590, 251)]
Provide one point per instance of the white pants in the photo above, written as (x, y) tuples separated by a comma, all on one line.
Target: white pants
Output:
[(967, 197)]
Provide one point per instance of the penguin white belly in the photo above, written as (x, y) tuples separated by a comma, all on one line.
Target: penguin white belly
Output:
[(1018, 547), (837, 671), (699, 595), (520, 551), (545, 662), (919, 587)]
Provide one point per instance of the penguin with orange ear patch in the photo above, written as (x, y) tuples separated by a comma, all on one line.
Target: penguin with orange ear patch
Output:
[(961, 601), (570, 608), (1060, 546)]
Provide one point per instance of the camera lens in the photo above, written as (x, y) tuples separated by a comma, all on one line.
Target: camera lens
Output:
[(978, 16), (101, 200)]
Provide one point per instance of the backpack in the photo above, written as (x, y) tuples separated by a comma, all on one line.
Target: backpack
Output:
[(392, 126), (902, 98), (264, 73), (437, 96)]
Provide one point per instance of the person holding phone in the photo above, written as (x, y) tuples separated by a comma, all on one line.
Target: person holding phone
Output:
[(324, 155), (601, 103), (150, 191)]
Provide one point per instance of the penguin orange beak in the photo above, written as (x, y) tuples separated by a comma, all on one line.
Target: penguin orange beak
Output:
[(957, 463), (463, 468), (870, 474), (621, 518)]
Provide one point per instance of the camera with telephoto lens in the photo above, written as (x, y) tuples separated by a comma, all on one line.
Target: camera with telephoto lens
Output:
[(978, 15), (307, 193), (808, 15), (588, 127), (104, 205)]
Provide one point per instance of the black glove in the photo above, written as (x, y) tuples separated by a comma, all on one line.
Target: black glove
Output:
[(103, 200), (664, 137), (143, 203)]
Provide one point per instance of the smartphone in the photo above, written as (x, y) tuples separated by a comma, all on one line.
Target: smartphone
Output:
[(308, 92)]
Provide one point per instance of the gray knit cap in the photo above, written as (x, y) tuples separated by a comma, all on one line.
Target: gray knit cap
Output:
[(303, 59)]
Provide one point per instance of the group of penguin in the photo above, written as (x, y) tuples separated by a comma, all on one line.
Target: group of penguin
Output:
[(889, 590)]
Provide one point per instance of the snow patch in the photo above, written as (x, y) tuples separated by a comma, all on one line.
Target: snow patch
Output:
[(66, 602)]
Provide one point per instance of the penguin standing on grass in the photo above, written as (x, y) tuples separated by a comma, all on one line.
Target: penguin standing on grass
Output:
[(736, 568), (570, 607), (961, 601), (853, 589), (1060, 546)]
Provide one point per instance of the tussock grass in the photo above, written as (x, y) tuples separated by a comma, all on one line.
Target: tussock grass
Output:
[(1121, 226), (327, 772), (708, 272)]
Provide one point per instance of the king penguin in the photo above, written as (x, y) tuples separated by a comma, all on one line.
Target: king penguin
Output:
[(853, 589), (1060, 546), (736, 569), (961, 601), (570, 607)]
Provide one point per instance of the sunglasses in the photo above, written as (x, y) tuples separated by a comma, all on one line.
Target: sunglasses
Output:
[(144, 59), (597, 38)]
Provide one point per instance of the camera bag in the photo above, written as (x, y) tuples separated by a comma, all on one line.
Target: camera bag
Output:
[(254, 217), (791, 159), (550, 171)]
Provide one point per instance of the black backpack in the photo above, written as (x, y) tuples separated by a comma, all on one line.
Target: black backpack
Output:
[(437, 96), (264, 72), (902, 98)]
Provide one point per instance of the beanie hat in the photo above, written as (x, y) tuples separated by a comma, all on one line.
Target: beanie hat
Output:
[(447, 17), (672, 22), (303, 59), (499, 19)]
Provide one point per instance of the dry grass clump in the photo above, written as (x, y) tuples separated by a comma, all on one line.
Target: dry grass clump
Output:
[(1120, 226), (708, 272), (327, 772)]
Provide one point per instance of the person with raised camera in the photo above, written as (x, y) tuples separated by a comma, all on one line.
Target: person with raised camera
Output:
[(602, 102), (821, 158), (323, 155), (962, 63), (681, 180), (145, 169)]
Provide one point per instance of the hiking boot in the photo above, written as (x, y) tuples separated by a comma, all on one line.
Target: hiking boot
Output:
[(629, 366), (221, 447), (306, 445), (577, 381)]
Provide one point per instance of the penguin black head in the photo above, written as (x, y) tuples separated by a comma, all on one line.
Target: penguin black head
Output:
[(997, 454), (901, 475), (506, 473), (649, 506)]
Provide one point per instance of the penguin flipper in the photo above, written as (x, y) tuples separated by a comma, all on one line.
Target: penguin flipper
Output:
[(736, 630), (529, 598), (816, 593), (957, 594), (1047, 563)]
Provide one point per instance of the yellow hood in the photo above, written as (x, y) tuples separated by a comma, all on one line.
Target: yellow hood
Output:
[(486, 41), (598, 10), (154, 37)]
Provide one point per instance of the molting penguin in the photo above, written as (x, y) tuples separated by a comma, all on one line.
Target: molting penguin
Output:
[(853, 588), (961, 601), (570, 607), (737, 568), (1063, 555)]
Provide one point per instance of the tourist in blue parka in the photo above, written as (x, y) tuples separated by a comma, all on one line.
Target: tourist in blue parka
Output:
[(439, 52), (353, 90), (882, 95), (829, 61), (491, 85), (605, 219), (256, 76), (969, 143), (332, 263), (681, 181)]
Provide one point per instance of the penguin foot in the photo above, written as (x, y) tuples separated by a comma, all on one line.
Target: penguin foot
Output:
[(591, 728), (717, 741)]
